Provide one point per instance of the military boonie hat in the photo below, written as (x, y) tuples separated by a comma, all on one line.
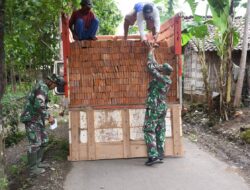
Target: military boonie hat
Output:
[(55, 79)]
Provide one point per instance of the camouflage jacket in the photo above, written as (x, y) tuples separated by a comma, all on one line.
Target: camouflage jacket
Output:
[(158, 86), (35, 109)]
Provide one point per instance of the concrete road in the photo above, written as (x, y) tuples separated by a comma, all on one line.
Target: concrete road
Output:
[(197, 170)]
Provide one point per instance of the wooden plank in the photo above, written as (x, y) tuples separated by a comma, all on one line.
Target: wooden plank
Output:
[(126, 133), (169, 150), (177, 141), (75, 140), (125, 149), (138, 149), (167, 24), (166, 34), (83, 151), (109, 150), (139, 106), (105, 37), (91, 135)]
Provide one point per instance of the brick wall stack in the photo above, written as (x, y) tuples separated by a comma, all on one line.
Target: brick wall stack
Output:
[(113, 72)]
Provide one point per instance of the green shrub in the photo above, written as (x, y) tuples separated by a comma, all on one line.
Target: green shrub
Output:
[(12, 107), (3, 183), (245, 136), (14, 138), (57, 148)]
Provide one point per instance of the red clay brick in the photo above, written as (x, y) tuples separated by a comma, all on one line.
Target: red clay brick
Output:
[(113, 72)]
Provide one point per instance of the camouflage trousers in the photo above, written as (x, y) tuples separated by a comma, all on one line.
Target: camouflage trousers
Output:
[(154, 132), (36, 135)]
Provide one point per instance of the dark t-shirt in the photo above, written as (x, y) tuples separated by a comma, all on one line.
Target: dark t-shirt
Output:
[(87, 15)]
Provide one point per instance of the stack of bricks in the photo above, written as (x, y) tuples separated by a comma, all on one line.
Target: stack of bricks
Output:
[(113, 72)]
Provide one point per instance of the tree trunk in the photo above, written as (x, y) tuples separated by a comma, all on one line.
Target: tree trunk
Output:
[(239, 85), (2, 174), (229, 54)]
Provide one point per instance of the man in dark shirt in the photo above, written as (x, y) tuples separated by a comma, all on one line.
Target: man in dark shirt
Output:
[(83, 23)]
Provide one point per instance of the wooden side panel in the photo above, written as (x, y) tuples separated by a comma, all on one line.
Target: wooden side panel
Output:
[(75, 130), (91, 135), (109, 150), (126, 133), (169, 149), (118, 133), (138, 149), (177, 141), (83, 152)]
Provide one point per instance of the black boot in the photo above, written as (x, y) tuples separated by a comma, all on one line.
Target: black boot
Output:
[(152, 160), (40, 162), (161, 157), (32, 161)]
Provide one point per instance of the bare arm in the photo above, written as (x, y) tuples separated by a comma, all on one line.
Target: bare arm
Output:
[(126, 26)]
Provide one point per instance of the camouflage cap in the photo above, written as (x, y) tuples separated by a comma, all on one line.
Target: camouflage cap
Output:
[(55, 79), (167, 68)]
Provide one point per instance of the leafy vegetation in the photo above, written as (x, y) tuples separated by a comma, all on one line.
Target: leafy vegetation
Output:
[(245, 136), (57, 149), (226, 37), (14, 138), (3, 183), (167, 8), (31, 44), (109, 17), (32, 34), (12, 106)]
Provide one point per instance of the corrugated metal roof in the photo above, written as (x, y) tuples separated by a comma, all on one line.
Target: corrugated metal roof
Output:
[(239, 23)]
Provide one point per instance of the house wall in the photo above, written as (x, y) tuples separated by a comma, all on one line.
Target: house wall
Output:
[(193, 80), (193, 83)]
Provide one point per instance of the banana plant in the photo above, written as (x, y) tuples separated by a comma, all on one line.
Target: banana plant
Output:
[(197, 31), (226, 37)]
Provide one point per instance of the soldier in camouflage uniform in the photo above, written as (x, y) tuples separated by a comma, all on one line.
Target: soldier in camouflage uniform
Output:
[(34, 116), (156, 108)]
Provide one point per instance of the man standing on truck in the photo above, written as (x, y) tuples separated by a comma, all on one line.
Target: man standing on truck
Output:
[(147, 12), (34, 115), (156, 108), (83, 23)]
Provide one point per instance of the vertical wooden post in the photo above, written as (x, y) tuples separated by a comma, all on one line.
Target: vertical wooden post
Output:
[(176, 132), (91, 135), (126, 133), (75, 135)]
